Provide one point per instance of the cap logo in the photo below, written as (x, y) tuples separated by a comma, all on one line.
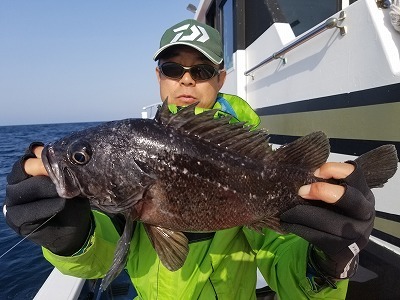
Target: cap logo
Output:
[(198, 34)]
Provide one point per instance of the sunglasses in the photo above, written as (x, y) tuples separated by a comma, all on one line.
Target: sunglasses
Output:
[(197, 72)]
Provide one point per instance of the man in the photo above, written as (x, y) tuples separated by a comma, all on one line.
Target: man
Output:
[(220, 265)]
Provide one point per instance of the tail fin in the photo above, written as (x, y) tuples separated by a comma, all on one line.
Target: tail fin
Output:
[(379, 165)]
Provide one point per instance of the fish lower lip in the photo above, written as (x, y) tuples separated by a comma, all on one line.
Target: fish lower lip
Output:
[(66, 184), (47, 162)]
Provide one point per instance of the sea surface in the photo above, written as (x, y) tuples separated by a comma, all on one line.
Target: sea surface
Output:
[(23, 269)]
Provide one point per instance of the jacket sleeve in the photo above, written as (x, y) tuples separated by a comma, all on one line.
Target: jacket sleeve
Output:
[(96, 259), (282, 260)]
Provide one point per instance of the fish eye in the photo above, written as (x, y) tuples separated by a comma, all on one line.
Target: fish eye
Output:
[(80, 153)]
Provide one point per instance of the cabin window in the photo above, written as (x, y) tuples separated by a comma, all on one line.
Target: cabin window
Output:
[(211, 15), (302, 15), (227, 32), (241, 22)]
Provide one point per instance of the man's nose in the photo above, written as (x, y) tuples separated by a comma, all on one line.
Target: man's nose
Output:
[(187, 79)]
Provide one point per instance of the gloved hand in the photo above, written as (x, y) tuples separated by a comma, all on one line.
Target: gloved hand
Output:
[(32, 200), (337, 232)]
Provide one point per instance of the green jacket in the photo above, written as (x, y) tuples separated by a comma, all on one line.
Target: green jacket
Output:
[(220, 267)]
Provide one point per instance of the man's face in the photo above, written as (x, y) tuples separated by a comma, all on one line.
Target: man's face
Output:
[(185, 90)]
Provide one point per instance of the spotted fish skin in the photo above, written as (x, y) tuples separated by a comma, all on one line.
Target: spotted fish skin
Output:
[(187, 173)]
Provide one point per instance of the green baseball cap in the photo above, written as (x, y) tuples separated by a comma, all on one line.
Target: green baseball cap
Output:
[(195, 34)]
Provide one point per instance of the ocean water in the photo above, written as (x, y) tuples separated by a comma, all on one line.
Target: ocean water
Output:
[(23, 269)]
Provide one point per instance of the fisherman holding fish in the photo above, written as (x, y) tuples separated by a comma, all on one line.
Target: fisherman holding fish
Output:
[(313, 260)]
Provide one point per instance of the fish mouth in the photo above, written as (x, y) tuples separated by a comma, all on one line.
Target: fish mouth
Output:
[(66, 183)]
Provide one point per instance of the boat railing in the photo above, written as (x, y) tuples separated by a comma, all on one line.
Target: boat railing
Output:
[(149, 110), (328, 24)]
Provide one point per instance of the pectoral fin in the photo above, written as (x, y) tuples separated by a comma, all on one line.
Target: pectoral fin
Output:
[(171, 246)]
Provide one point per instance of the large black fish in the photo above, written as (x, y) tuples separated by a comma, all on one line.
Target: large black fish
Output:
[(190, 173)]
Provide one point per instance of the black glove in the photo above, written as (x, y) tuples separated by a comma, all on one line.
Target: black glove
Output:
[(337, 232), (30, 202)]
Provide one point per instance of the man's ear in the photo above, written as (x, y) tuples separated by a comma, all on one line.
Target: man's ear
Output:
[(221, 78), (158, 74)]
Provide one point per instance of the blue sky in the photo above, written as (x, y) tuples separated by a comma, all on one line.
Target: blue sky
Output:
[(80, 60)]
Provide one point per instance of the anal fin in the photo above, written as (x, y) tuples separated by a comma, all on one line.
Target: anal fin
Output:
[(272, 223)]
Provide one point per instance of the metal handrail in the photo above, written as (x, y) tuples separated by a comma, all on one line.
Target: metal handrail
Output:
[(146, 109), (330, 23)]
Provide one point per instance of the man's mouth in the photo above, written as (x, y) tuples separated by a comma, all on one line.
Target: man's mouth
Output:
[(187, 99)]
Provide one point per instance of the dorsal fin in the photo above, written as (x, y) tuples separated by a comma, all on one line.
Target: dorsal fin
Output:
[(236, 137), (309, 151)]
